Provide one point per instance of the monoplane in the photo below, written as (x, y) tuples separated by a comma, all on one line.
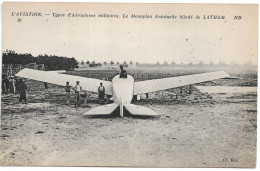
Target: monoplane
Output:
[(121, 89)]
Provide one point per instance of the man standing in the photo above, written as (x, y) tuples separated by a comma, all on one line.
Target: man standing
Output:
[(19, 82), (3, 84), (101, 91), (77, 90), (67, 89), (23, 92), (45, 86), (16, 80), (12, 85), (6, 83)]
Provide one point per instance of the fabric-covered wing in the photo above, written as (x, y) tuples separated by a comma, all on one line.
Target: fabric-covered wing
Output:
[(148, 86), (88, 84)]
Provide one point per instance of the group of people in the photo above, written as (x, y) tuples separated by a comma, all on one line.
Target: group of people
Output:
[(101, 90), (12, 84), (78, 93), (77, 90)]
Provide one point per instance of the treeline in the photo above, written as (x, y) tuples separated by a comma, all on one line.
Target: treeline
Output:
[(112, 63), (51, 62)]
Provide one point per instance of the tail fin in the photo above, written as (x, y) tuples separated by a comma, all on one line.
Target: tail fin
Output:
[(140, 110), (102, 110)]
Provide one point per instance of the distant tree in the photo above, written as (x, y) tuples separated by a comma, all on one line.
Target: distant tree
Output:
[(82, 62), (111, 63), (125, 64), (165, 63), (221, 62), (117, 63), (94, 64), (51, 62), (131, 63), (173, 63), (73, 63), (88, 62), (105, 63)]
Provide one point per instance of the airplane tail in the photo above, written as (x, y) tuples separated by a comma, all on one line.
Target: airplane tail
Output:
[(110, 108), (102, 110), (140, 110)]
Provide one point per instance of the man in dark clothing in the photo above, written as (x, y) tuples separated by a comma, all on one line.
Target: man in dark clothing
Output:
[(5, 85), (123, 73), (17, 84), (45, 86), (12, 85), (23, 91), (67, 89), (101, 91)]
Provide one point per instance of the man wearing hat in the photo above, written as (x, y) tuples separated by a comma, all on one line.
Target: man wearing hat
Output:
[(77, 90), (67, 89)]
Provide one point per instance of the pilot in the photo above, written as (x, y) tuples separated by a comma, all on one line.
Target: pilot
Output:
[(101, 91), (77, 90), (123, 73)]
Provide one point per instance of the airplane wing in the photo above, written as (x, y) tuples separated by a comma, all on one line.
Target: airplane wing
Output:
[(88, 84), (148, 86)]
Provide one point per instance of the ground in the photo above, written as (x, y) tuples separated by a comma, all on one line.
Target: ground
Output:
[(194, 130)]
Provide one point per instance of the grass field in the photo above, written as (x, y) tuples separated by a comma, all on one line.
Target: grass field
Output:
[(193, 130), (139, 74)]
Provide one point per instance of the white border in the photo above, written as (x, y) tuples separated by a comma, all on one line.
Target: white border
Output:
[(134, 1)]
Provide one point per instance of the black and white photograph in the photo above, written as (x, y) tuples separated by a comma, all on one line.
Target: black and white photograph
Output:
[(129, 85)]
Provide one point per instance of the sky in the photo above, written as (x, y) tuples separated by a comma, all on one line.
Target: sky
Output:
[(134, 39)]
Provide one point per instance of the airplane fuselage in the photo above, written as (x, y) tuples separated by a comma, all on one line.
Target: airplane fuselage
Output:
[(123, 89)]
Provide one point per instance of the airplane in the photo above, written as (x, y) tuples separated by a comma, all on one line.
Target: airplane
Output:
[(121, 89)]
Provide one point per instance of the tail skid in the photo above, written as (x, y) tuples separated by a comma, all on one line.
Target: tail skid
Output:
[(121, 110)]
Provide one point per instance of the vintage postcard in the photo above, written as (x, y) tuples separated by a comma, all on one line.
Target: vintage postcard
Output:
[(135, 85)]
